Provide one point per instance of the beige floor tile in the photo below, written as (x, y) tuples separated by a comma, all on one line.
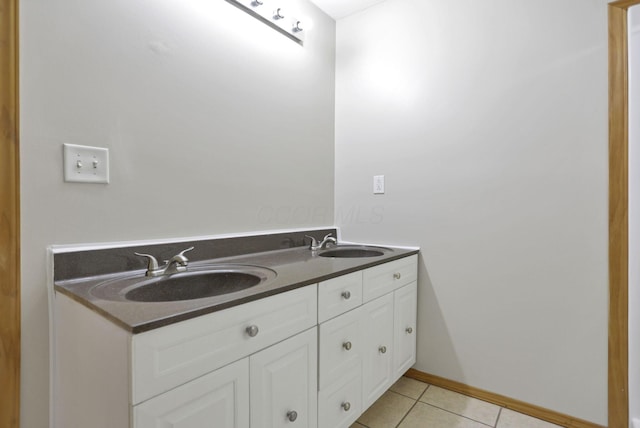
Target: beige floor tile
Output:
[(426, 416), (510, 419), (471, 408), (357, 425), (410, 387), (387, 412)]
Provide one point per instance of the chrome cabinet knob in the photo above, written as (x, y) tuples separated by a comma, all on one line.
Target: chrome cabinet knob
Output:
[(346, 295), (382, 349), (347, 346), (346, 406), (397, 275), (292, 416), (409, 330), (252, 330)]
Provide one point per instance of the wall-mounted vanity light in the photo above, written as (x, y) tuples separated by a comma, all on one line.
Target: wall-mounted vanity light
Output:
[(276, 17)]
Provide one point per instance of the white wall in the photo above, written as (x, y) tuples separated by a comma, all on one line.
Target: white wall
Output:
[(634, 212), (489, 121), (215, 124)]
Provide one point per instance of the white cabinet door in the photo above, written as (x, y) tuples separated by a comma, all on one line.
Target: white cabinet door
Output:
[(404, 350), (340, 404), (284, 383), (377, 356), (340, 347), (217, 400)]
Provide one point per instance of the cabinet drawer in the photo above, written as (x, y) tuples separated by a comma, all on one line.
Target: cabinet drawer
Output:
[(387, 277), (341, 346), (170, 356), (338, 295), (340, 404)]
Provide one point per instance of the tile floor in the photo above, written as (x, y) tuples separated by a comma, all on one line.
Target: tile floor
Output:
[(413, 404)]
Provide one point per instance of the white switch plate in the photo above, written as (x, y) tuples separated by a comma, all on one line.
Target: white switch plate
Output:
[(86, 164), (378, 184)]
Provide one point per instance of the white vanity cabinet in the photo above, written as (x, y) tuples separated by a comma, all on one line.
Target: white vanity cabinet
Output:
[(365, 348), (192, 374), (313, 357)]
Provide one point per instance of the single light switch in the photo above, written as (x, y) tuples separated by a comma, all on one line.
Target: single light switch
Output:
[(86, 164), (378, 184)]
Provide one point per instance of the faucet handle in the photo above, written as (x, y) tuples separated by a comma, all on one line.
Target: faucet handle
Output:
[(152, 261), (181, 253), (314, 242), (180, 258)]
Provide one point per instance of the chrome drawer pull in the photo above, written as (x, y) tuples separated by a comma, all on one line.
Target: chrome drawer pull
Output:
[(382, 349), (347, 346), (397, 275), (409, 330), (346, 295), (346, 406), (252, 330), (292, 416)]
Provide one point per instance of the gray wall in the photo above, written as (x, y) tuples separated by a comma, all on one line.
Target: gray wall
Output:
[(215, 124), (489, 121)]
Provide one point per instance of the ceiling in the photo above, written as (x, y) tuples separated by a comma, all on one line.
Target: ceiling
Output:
[(340, 8)]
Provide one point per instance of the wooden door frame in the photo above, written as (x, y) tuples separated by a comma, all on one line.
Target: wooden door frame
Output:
[(9, 218), (619, 214)]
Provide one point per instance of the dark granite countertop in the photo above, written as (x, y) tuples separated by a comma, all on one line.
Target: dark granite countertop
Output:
[(295, 267)]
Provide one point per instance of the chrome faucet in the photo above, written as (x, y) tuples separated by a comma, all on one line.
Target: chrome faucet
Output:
[(315, 246), (175, 264)]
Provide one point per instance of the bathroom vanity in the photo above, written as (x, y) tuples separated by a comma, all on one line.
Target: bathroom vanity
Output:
[(312, 346)]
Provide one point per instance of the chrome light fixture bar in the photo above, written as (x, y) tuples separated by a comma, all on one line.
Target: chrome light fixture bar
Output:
[(274, 16)]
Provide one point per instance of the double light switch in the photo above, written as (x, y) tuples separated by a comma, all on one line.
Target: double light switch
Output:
[(86, 164)]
